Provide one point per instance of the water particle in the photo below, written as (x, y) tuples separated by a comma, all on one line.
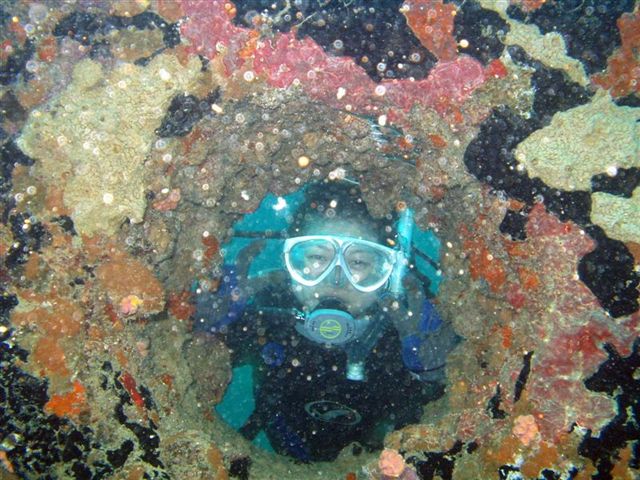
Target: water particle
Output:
[(259, 146), (303, 161), (338, 44), (107, 198), (295, 362), (382, 120), (239, 118), (31, 190), (164, 75), (380, 90), (38, 13), (464, 43), (341, 92), (249, 76), (32, 66), (122, 84), (337, 174), (612, 170), (167, 157)]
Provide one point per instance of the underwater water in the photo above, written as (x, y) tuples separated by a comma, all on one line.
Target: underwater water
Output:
[(320, 239)]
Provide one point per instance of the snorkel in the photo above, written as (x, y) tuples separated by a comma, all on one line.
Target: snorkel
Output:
[(404, 234), (357, 351)]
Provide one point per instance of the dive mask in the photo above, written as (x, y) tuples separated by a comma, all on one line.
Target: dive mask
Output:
[(366, 265)]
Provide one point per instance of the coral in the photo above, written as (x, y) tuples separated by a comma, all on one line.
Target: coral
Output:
[(482, 263), (582, 142), (525, 429), (129, 383), (432, 23), (391, 463), (180, 305), (69, 404), (617, 215), (285, 61), (169, 202), (549, 48), (211, 32), (129, 304), (123, 277), (92, 140), (169, 9), (449, 83), (338, 81), (529, 5), (623, 72), (57, 321)]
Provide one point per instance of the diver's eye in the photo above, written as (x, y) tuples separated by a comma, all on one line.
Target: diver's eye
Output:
[(317, 258), (359, 264)]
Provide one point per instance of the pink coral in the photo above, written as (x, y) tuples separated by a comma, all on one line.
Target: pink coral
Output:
[(284, 59), (130, 304), (432, 23), (525, 428), (448, 83), (391, 463), (210, 30), (169, 202)]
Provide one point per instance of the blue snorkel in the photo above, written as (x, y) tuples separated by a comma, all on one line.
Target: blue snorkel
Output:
[(404, 234)]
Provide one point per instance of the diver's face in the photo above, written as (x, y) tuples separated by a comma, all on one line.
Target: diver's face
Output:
[(336, 285)]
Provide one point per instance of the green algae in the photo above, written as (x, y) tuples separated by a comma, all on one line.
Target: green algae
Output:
[(582, 142), (96, 136)]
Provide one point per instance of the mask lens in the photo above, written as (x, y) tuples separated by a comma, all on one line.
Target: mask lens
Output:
[(311, 258), (367, 265)]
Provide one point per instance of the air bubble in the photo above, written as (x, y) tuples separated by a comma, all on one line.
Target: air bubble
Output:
[(32, 66), (38, 13)]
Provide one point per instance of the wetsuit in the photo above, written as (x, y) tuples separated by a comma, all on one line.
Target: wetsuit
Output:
[(304, 402)]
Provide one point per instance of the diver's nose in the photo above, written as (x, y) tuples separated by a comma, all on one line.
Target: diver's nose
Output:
[(338, 275)]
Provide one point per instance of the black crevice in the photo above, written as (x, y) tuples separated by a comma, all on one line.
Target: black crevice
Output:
[(523, 376)]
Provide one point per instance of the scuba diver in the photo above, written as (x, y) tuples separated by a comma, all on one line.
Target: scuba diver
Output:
[(344, 342)]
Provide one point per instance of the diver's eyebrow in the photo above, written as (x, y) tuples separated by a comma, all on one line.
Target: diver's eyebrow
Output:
[(356, 249), (321, 247)]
